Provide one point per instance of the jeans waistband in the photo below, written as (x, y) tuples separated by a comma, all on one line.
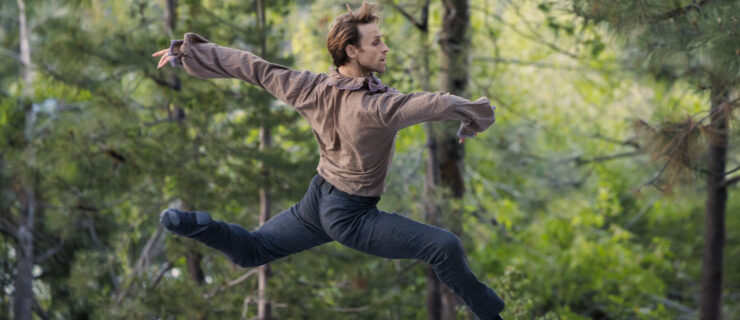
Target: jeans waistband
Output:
[(331, 189)]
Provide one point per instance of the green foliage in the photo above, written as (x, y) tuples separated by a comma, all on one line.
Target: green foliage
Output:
[(676, 39), (556, 231)]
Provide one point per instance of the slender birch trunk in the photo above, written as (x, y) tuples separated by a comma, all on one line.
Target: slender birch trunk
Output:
[(23, 297), (264, 308)]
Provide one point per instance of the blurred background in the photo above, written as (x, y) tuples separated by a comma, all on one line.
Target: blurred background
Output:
[(606, 189)]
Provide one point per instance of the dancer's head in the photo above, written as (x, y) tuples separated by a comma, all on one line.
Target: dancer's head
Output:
[(356, 39)]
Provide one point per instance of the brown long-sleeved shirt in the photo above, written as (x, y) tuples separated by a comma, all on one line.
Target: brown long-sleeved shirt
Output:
[(354, 120)]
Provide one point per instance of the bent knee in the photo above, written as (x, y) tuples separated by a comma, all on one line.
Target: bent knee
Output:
[(451, 244), (447, 246)]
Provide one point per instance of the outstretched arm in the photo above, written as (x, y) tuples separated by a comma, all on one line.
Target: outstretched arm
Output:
[(398, 110), (204, 59)]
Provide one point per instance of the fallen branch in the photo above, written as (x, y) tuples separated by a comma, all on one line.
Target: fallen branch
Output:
[(230, 284)]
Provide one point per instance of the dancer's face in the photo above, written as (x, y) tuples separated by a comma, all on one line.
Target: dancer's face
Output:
[(372, 51)]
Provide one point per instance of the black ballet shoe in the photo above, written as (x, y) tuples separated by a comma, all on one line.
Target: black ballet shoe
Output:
[(185, 223)]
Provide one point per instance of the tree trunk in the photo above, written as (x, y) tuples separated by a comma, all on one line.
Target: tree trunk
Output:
[(23, 297), (454, 42), (716, 203), (193, 257), (432, 176), (170, 17), (264, 308), (6, 267)]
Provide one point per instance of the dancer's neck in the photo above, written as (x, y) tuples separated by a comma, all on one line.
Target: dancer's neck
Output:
[(353, 70)]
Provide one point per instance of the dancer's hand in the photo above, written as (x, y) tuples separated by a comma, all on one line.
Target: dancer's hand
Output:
[(166, 57), (462, 139)]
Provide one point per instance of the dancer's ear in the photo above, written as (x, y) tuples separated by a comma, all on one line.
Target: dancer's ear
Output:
[(351, 51)]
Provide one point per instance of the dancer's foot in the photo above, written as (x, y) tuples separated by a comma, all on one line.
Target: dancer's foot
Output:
[(184, 223)]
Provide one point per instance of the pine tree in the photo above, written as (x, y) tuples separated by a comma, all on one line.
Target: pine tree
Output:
[(699, 42), (117, 149)]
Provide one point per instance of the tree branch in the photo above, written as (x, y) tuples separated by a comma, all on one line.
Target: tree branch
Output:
[(140, 264), (641, 212), (672, 304), (535, 35), (49, 253), (421, 25), (730, 182), (680, 11), (13, 55), (167, 267), (231, 283), (407, 267), (351, 309), (731, 171), (527, 63), (40, 311), (8, 228), (579, 161), (655, 178), (629, 142)]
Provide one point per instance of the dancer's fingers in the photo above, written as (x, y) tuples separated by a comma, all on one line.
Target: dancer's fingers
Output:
[(159, 53), (160, 63), (166, 61), (163, 61)]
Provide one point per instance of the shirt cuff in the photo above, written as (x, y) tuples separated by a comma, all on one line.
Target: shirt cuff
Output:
[(468, 129), (176, 52), (465, 131)]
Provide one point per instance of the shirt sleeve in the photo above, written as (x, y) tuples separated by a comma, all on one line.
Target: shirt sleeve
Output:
[(398, 110), (204, 59)]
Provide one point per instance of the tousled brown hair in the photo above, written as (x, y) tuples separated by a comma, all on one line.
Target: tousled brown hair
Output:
[(344, 31)]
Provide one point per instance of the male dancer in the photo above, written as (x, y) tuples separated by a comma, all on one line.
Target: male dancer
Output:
[(355, 119)]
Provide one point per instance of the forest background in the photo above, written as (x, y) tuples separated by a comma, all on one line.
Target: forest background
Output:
[(603, 190)]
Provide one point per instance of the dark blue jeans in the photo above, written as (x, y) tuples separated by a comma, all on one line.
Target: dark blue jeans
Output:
[(326, 214)]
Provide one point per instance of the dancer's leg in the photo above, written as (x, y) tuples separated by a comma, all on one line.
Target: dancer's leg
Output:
[(391, 235), (289, 232)]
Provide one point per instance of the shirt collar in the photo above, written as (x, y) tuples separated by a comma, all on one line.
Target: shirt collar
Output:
[(341, 81)]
